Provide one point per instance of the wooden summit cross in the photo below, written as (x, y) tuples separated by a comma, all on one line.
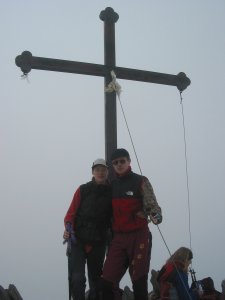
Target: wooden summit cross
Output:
[(27, 62)]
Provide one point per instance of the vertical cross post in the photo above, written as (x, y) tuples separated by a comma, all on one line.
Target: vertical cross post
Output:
[(109, 17)]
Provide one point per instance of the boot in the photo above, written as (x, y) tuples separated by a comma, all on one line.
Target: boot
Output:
[(107, 290), (140, 288)]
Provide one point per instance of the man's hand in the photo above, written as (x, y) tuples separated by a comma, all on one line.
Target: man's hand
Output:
[(66, 235), (156, 218)]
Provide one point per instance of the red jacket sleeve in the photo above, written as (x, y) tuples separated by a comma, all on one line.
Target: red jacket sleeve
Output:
[(73, 208)]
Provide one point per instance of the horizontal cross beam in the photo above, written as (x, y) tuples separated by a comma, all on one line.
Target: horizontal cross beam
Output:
[(26, 61)]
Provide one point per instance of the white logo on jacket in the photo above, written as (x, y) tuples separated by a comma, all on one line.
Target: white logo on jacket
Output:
[(129, 193)]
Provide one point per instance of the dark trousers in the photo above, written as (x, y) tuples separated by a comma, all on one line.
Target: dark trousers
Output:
[(77, 261)]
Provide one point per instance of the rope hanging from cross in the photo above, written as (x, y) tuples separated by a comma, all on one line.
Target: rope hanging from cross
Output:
[(26, 61)]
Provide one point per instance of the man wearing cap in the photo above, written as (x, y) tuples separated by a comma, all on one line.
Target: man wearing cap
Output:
[(133, 202), (89, 216)]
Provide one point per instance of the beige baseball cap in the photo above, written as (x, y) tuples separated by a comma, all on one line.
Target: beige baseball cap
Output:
[(99, 162)]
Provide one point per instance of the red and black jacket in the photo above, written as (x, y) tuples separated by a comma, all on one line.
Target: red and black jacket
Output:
[(126, 202)]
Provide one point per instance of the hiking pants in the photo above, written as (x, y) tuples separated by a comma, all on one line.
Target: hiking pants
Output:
[(77, 261), (131, 251)]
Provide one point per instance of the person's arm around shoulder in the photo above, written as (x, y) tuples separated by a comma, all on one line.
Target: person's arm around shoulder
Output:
[(69, 217), (150, 204)]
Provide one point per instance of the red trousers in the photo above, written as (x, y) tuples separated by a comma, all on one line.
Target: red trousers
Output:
[(131, 251)]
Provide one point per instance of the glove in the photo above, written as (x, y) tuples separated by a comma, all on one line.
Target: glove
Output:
[(156, 218)]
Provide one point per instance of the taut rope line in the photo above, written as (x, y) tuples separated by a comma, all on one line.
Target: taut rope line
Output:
[(186, 169), (114, 86)]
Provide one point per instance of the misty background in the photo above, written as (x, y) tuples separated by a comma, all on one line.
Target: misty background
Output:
[(52, 129)]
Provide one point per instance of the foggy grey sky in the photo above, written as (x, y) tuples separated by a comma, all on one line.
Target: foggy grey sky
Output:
[(52, 128)]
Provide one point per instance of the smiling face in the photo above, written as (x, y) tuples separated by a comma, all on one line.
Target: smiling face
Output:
[(100, 174), (121, 165)]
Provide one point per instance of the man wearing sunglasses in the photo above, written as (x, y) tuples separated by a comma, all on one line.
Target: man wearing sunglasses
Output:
[(133, 202)]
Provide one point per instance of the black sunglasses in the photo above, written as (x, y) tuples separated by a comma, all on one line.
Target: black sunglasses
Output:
[(116, 162)]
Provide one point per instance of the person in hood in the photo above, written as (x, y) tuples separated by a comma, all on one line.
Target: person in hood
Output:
[(87, 223), (209, 291), (173, 277), (133, 202)]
